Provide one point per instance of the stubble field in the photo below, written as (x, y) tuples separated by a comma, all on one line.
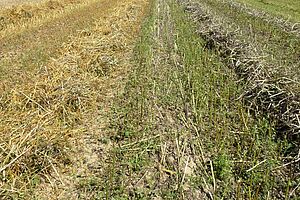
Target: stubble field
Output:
[(149, 99)]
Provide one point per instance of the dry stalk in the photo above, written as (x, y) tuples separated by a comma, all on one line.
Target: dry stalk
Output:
[(264, 94), (42, 112)]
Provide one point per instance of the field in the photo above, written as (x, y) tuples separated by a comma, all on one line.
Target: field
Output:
[(7, 3), (150, 99), (286, 9)]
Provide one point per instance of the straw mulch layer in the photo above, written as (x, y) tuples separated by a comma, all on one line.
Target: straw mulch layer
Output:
[(43, 114), (20, 13)]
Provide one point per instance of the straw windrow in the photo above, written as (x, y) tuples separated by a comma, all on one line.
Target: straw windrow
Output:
[(265, 93)]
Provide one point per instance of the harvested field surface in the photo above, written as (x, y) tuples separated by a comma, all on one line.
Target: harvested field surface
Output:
[(150, 99), (53, 111), (41, 38), (6, 3), (288, 9)]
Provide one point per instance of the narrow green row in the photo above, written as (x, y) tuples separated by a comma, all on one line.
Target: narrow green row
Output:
[(181, 131)]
